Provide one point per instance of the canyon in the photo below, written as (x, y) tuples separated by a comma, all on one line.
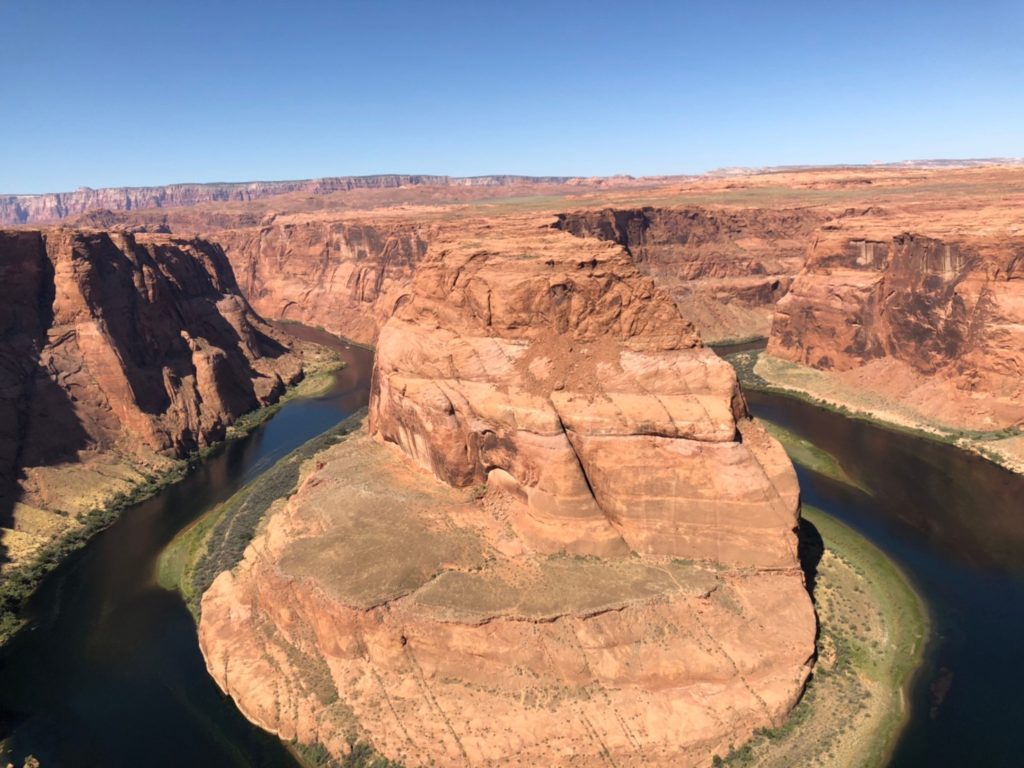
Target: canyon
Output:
[(559, 496), (724, 268), (118, 355), (559, 515), (52, 207)]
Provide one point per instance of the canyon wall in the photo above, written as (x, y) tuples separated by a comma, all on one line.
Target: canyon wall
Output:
[(725, 268), (344, 275), (562, 539), (34, 209), (945, 311), (117, 351)]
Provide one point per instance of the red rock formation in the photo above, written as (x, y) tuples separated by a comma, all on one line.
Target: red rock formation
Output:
[(725, 268), (549, 366), (344, 275), (35, 209), (413, 617), (948, 308), (453, 628), (111, 344)]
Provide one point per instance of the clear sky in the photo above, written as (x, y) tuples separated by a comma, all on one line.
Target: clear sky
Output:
[(132, 92)]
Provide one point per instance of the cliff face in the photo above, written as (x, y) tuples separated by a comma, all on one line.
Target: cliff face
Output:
[(617, 578), (34, 209), (724, 268), (554, 368), (343, 275), (112, 345), (950, 309)]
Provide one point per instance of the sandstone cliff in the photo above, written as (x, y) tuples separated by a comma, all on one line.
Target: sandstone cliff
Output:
[(552, 367), (617, 580), (115, 352), (725, 268), (934, 321), (343, 274)]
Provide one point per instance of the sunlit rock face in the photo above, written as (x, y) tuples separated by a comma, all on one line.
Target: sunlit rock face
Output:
[(559, 540), (343, 275), (551, 367), (929, 320)]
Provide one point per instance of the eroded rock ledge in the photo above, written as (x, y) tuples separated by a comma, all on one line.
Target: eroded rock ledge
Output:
[(560, 541)]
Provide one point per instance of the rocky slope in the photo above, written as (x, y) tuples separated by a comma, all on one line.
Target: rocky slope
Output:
[(726, 267), (935, 321), (616, 582), (34, 209), (115, 353)]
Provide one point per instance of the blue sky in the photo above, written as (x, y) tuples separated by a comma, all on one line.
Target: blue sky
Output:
[(125, 92)]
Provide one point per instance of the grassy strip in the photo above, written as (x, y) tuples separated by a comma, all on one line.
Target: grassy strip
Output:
[(752, 338), (873, 630), (217, 540), (807, 454), (360, 755), (20, 582)]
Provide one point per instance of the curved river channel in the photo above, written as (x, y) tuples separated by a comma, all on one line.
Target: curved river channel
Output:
[(108, 671)]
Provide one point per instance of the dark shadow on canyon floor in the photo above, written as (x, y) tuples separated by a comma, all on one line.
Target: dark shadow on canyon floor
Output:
[(810, 549)]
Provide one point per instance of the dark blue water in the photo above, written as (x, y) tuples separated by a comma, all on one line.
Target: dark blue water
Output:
[(955, 523), (108, 671)]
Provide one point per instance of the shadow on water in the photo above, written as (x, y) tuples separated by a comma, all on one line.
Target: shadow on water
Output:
[(954, 523), (108, 671)]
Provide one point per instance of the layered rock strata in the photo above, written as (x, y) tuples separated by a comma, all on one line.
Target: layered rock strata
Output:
[(345, 275), (564, 374), (932, 321), (116, 351), (378, 604), (35, 209), (724, 267), (617, 580)]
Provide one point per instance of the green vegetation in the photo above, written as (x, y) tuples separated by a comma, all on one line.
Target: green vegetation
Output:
[(360, 755), (995, 445), (217, 540), (21, 581), (873, 629), (807, 454)]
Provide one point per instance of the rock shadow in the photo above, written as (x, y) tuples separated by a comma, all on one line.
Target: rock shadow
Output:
[(146, 326), (810, 549)]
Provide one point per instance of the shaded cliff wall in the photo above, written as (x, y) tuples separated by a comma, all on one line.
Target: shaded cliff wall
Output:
[(114, 343), (724, 268)]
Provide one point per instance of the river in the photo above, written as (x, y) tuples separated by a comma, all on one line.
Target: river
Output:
[(108, 671), (955, 523)]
